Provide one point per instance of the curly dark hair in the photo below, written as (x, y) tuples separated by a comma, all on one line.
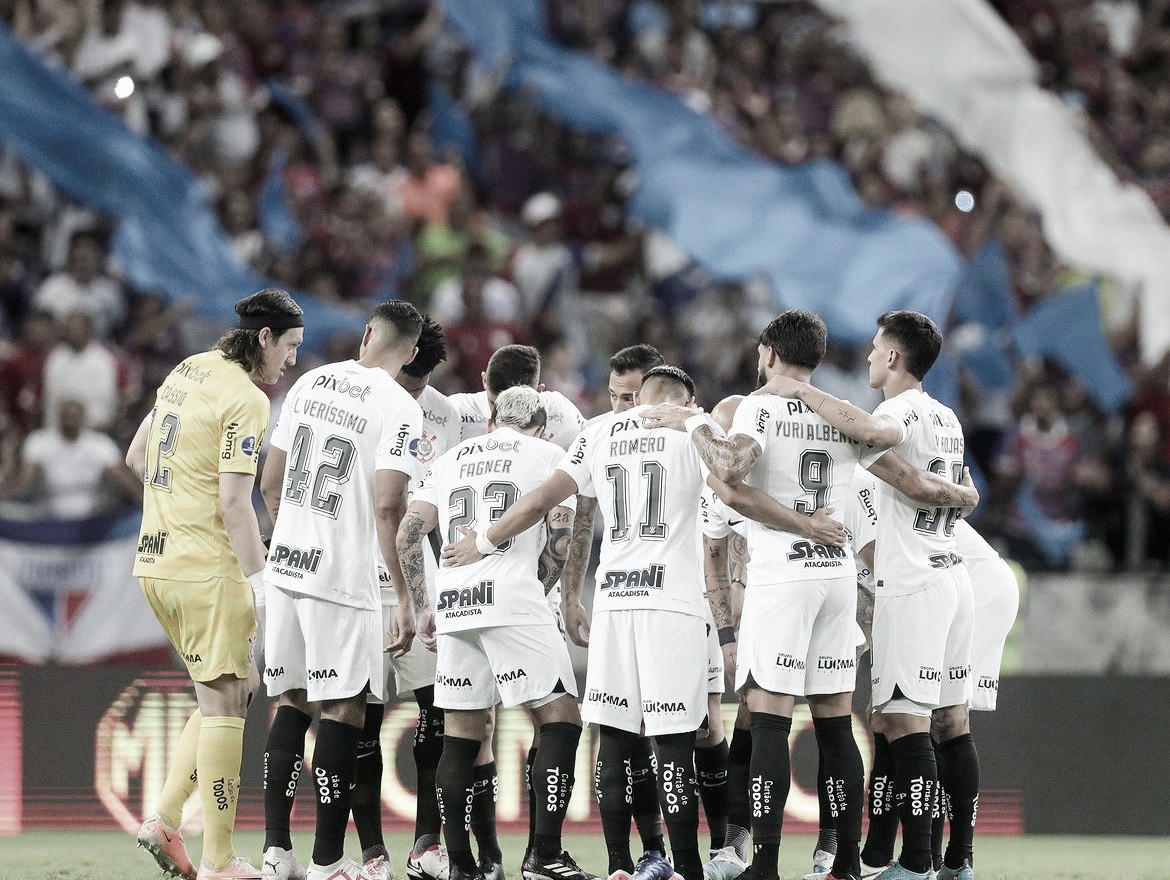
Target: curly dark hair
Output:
[(432, 350)]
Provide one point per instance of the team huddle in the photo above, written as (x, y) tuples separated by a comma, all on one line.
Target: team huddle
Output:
[(443, 542)]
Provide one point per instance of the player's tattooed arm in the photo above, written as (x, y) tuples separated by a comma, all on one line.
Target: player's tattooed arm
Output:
[(580, 548), (729, 458), (418, 521), (573, 577), (717, 580), (926, 487), (559, 524), (737, 560), (763, 508), (880, 431)]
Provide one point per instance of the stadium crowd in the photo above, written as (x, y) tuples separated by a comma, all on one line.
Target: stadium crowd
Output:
[(532, 242)]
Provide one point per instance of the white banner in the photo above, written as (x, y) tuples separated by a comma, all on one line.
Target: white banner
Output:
[(959, 62), (67, 594)]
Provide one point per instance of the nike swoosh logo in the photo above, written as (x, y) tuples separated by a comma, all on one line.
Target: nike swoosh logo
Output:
[(734, 522)]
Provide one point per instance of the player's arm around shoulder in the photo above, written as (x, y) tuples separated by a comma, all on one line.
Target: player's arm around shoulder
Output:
[(925, 487), (524, 514), (878, 429), (766, 510), (730, 459)]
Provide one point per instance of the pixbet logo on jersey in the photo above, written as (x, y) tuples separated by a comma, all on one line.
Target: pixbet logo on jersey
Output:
[(341, 386), (295, 561)]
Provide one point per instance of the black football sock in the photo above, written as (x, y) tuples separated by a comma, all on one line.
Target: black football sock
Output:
[(678, 796), (771, 778), (530, 791), (611, 779), (958, 772), (485, 790), (844, 784), (428, 746), (333, 767), (366, 800), (284, 757), (826, 830), (881, 805), (454, 778), (711, 769), (916, 782), (552, 777), (644, 795), (739, 811), (938, 823)]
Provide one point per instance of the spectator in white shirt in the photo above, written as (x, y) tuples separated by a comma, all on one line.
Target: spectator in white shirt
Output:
[(83, 286), (70, 471), (81, 368)]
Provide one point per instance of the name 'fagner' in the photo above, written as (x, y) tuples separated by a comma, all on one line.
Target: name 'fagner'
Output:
[(487, 466)]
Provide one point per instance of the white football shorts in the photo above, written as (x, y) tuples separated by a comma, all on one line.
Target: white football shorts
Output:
[(513, 665), (997, 600), (922, 642), (332, 651), (414, 670), (647, 671), (799, 638)]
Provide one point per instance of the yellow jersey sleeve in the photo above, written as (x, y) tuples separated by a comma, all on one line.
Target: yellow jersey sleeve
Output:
[(244, 421)]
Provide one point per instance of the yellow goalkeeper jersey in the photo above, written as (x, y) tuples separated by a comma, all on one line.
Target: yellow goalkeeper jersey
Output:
[(209, 418)]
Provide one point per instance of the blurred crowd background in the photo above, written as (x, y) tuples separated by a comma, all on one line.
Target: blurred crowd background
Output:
[(533, 243)]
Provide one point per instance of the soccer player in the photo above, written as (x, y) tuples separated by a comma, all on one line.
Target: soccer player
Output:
[(514, 365), (497, 638), (199, 548), (923, 614), (335, 483), (997, 599), (414, 672), (647, 647), (508, 367), (796, 634), (627, 368)]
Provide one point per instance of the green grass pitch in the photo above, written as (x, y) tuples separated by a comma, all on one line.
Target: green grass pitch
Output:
[(108, 855)]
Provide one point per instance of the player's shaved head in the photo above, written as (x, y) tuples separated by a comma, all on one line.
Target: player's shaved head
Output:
[(666, 384), (724, 411), (512, 365), (396, 323)]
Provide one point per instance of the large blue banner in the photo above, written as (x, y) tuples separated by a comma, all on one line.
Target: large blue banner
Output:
[(168, 238), (737, 214)]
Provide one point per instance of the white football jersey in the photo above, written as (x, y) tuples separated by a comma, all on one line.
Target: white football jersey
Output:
[(339, 424), (914, 542), (806, 464), (471, 486), (715, 517), (861, 518), (647, 484), (564, 419), (440, 432)]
